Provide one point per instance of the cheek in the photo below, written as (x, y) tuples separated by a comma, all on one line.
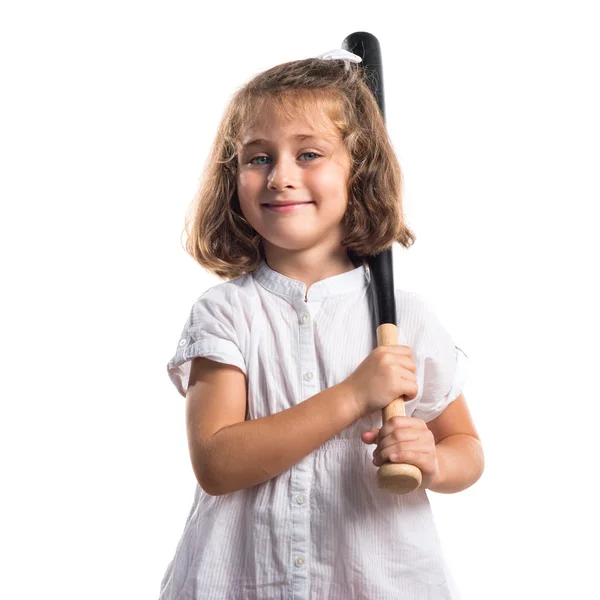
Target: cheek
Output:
[(247, 190), (332, 194), (332, 180), (246, 182)]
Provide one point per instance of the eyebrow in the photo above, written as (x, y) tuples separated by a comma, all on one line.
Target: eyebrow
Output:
[(298, 136)]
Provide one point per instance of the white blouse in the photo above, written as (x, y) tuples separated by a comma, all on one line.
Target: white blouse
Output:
[(321, 530)]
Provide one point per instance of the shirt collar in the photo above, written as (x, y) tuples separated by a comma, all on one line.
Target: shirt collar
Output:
[(274, 281)]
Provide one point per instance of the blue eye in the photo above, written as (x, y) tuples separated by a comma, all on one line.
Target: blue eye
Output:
[(255, 158), (303, 154)]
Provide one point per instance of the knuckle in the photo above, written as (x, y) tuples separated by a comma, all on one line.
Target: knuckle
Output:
[(397, 434), (391, 365), (385, 358)]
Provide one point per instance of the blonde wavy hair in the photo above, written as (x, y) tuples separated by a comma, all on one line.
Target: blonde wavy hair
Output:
[(218, 236)]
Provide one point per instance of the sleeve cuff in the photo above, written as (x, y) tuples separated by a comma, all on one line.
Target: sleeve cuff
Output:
[(458, 384), (220, 350)]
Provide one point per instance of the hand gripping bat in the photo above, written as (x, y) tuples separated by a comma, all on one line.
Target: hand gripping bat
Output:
[(400, 478)]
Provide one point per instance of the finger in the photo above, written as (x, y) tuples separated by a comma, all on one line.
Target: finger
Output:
[(400, 438), (395, 454), (409, 364), (399, 349), (370, 436), (371, 431), (400, 423), (409, 438)]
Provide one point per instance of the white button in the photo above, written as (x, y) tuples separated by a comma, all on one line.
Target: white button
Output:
[(300, 499), (299, 561), (308, 375), (183, 342), (304, 318)]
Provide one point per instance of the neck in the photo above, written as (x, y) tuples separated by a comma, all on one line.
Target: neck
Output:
[(309, 266)]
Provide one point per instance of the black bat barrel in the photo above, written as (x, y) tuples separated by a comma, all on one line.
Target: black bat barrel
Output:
[(366, 45)]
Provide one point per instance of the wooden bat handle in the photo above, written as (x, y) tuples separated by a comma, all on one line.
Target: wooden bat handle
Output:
[(396, 477)]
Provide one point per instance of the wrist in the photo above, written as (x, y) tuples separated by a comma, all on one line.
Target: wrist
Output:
[(353, 400), (437, 481)]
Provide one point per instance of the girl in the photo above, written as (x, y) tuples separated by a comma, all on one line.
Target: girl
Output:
[(280, 367)]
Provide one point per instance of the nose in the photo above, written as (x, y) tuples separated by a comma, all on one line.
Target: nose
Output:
[(282, 174)]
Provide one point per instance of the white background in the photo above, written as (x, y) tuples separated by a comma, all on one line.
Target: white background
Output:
[(108, 113)]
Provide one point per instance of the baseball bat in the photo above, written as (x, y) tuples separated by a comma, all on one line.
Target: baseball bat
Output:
[(397, 477)]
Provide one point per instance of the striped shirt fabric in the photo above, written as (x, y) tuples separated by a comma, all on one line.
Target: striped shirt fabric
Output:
[(322, 530)]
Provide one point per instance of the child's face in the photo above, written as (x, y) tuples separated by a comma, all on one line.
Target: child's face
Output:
[(285, 168)]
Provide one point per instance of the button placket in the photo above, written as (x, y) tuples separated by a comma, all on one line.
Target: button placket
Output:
[(301, 472), (308, 360)]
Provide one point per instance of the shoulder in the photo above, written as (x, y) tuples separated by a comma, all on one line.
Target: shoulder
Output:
[(233, 301), (411, 298), (416, 316), (411, 305), (415, 303), (225, 293)]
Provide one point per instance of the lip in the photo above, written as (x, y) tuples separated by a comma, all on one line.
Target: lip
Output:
[(289, 207)]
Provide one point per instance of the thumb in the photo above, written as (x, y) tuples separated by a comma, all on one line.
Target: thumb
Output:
[(369, 436)]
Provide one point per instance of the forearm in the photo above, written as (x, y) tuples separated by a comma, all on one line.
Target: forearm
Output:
[(460, 461), (249, 453)]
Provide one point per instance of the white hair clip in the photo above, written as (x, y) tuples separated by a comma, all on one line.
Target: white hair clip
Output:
[(339, 54)]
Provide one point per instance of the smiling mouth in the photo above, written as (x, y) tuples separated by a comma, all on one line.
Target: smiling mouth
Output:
[(282, 208), (288, 204)]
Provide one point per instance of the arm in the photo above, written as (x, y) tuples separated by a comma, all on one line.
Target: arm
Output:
[(458, 448), (249, 453), (230, 454)]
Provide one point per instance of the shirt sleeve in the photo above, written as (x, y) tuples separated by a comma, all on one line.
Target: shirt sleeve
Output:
[(444, 366), (210, 332)]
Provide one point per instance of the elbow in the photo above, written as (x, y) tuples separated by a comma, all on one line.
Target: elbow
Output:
[(209, 485), (482, 463), (205, 477), (203, 458), (212, 480), (209, 491), (212, 487), (478, 460), (215, 483)]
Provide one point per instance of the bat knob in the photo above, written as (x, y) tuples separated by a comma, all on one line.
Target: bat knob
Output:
[(399, 478)]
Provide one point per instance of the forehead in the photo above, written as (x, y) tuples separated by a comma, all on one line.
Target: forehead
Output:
[(277, 124), (256, 139)]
